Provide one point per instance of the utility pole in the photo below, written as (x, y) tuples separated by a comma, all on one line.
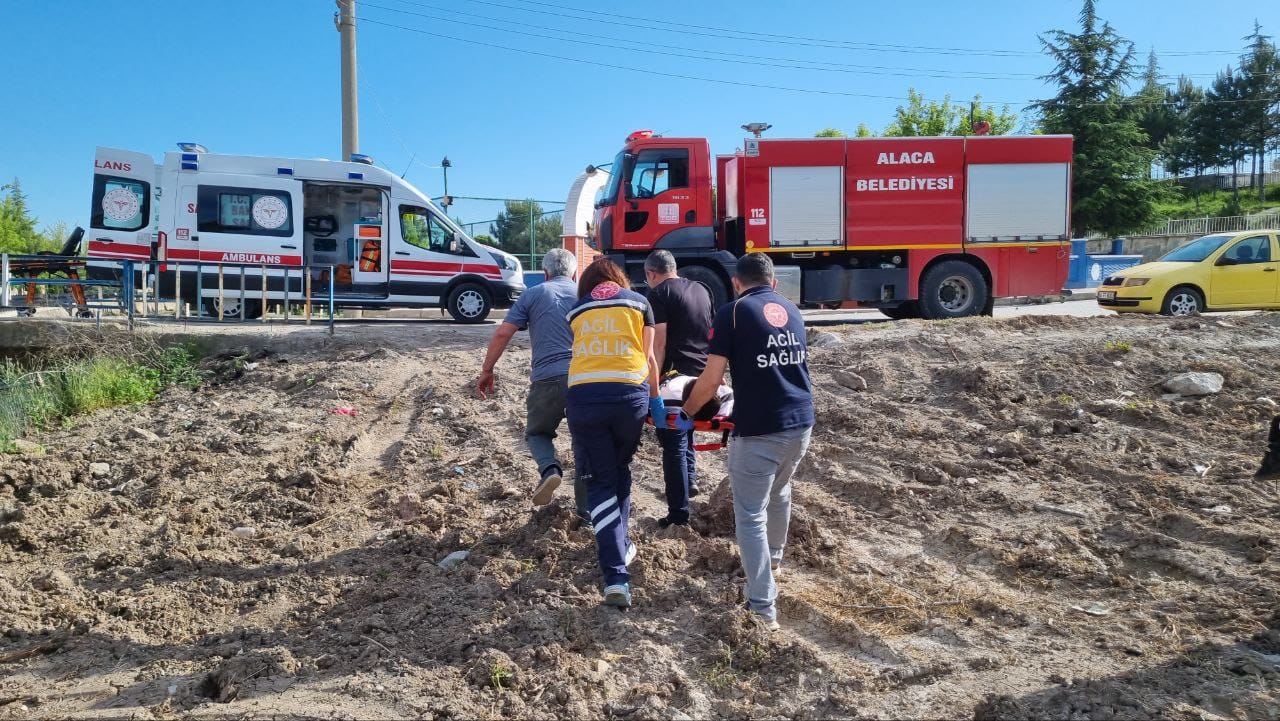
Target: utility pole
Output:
[(345, 19)]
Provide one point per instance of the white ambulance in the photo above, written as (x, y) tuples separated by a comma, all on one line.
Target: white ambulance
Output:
[(386, 243)]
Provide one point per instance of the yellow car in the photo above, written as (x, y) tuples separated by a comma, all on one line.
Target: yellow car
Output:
[(1228, 271)]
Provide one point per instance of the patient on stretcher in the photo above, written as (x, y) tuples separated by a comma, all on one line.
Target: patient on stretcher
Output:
[(675, 390)]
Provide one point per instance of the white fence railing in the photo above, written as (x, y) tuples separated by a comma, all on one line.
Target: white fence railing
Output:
[(1229, 224)]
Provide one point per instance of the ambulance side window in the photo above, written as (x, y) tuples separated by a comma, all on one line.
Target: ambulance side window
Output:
[(120, 203), (244, 211), (658, 170), (420, 228)]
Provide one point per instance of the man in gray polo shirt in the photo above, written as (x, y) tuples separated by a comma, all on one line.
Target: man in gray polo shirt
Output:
[(543, 310)]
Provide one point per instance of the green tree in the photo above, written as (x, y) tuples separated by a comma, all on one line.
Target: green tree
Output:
[(1222, 124), (830, 133), (1152, 108), (1186, 149), (863, 131), (17, 226), (1111, 190), (1259, 111), (928, 118), (511, 228)]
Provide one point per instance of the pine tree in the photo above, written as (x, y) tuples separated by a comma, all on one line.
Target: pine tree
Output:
[(1222, 125), (17, 227), (1152, 109), (1111, 190), (1259, 110)]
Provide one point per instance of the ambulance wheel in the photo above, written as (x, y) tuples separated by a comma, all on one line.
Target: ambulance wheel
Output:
[(711, 280), (910, 309), (952, 289), (231, 310), (469, 303)]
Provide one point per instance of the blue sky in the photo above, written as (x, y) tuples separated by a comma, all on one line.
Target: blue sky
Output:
[(260, 77)]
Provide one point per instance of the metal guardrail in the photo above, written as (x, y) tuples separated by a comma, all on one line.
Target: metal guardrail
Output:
[(1228, 224), (143, 289)]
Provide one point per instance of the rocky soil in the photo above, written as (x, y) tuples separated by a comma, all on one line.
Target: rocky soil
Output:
[(996, 519)]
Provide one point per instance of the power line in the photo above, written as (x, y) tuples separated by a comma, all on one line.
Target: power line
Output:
[(740, 83), (629, 68), (754, 37), (648, 48), (852, 44), (749, 59)]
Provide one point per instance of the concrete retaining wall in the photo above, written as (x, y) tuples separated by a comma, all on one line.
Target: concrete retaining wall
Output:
[(1150, 247)]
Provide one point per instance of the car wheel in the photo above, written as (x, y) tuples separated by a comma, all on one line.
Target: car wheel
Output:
[(952, 289), (910, 309), (1183, 300), (469, 303)]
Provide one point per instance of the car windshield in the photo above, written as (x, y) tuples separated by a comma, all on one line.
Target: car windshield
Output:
[(1197, 250), (609, 194)]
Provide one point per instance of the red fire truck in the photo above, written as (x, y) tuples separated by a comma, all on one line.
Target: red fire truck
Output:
[(932, 227)]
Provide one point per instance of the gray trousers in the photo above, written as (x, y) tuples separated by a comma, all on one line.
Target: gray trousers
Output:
[(760, 470), (544, 410)]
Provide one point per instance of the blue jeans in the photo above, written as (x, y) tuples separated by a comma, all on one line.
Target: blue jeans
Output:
[(605, 437), (678, 471), (760, 470)]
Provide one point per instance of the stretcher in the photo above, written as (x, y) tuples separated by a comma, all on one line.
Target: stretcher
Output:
[(718, 424)]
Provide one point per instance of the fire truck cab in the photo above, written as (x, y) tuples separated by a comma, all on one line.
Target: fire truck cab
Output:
[(932, 227), (383, 241)]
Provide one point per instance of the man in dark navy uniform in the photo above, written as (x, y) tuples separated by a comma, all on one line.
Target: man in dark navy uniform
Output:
[(760, 337)]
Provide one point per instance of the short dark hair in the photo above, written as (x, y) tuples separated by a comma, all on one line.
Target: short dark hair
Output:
[(602, 270), (754, 269), (660, 261)]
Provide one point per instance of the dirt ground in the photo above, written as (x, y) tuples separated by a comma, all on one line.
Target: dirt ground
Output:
[(997, 518)]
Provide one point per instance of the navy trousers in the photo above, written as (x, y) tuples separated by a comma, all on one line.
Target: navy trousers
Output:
[(606, 435), (678, 471)]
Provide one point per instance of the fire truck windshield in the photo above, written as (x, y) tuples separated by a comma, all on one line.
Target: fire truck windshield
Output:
[(609, 193)]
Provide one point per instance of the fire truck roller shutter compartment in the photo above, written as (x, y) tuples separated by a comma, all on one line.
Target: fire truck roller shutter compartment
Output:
[(807, 206), (1018, 201)]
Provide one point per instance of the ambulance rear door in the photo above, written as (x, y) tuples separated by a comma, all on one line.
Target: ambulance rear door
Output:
[(231, 218), (124, 204)]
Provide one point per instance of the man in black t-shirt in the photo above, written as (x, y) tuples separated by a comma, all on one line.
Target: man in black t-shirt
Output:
[(682, 317), (760, 337)]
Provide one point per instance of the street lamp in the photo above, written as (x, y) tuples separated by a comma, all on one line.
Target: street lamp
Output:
[(446, 201)]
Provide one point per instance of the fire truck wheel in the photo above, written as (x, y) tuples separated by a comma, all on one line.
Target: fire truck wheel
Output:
[(910, 309), (469, 303), (710, 279), (952, 289)]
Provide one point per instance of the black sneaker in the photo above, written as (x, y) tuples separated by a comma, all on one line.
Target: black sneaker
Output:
[(546, 489), (693, 490), (666, 522)]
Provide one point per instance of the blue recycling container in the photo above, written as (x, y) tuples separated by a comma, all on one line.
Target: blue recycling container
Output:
[(532, 278), (1101, 266)]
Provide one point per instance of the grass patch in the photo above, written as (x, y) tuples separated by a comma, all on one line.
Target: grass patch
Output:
[(1118, 346), (1181, 203), (46, 394)]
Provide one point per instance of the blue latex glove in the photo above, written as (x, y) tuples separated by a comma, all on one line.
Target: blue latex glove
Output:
[(658, 412), (682, 422)]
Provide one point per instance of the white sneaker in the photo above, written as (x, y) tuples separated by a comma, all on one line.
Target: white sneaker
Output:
[(629, 555)]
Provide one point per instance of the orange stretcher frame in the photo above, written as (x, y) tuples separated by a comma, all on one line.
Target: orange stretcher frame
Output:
[(722, 424)]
